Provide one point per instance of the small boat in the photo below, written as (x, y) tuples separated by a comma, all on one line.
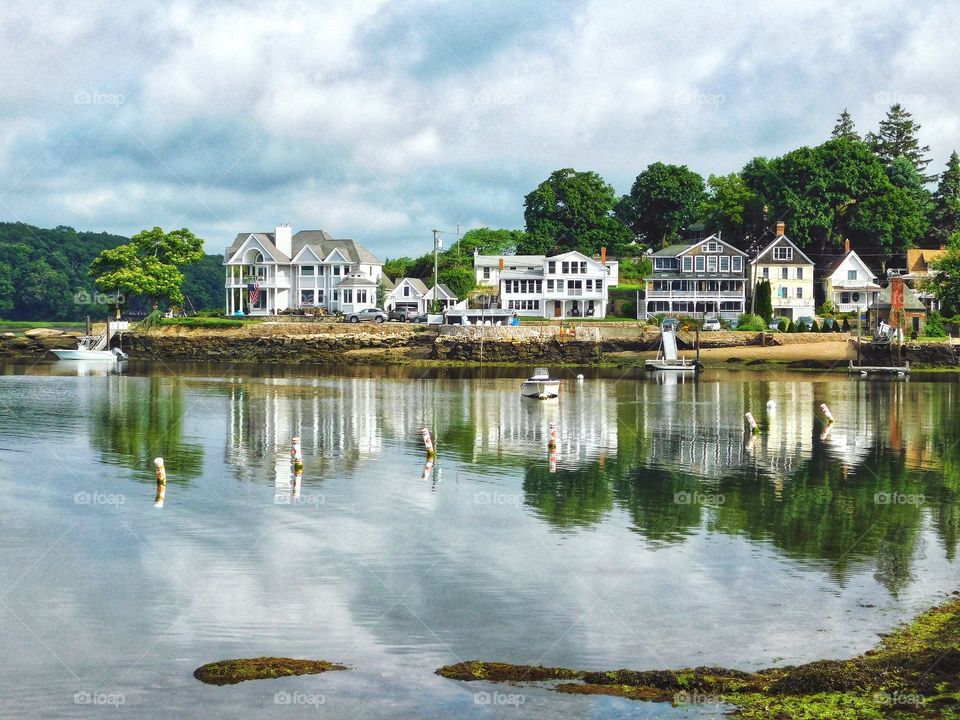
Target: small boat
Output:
[(90, 347), (668, 358), (540, 386)]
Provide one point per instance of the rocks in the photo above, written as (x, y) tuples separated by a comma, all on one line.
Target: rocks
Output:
[(39, 333)]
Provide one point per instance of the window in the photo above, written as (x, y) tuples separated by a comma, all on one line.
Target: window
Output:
[(851, 274), (306, 271), (784, 273), (261, 273), (583, 267), (406, 291), (737, 264), (845, 298), (598, 284), (348, 296), (589, 284), (565, 268), (699, 261), (361, 296), (560, 285), (855, 297), (306, 297), (687, 263), (712, 264), (486, 273), (552, 267), (782, 293), (799, 273), (336, 295), (319, 297), (783, 253), (336, 269), (549, 285), (766, 273), (724, 263), (712, 247), (799, 293)]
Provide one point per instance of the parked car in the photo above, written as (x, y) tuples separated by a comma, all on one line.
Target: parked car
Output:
[(400, 314), (368, 314), (421, 318), (712, 325), (774, 324), (670, 323)]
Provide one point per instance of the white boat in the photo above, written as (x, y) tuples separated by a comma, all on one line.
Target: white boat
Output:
[(90, 347), (540, 386), (668, 359)]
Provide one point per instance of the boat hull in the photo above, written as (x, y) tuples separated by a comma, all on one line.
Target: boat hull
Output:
[(540, 389), (671, 366), (99, 355)]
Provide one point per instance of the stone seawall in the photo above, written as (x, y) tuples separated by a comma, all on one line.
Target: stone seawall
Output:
[(917, 354)]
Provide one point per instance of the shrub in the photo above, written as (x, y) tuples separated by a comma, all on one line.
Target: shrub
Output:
[(801, 326), (816, 328), (784, 325), (933, 327), (750, 322), (828, 308), (846, 325)]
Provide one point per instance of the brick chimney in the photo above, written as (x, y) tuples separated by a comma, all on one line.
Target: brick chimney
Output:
[(781, 228), (846, 246), (603, 256), (283, 239), (501, 263)]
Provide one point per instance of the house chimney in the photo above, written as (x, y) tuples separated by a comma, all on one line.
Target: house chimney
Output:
[(283, 239), (781, 228), (501, 263), (603, 256), (846, 246)]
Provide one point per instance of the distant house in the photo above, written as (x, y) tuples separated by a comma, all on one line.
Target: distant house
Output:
[(567, 285), (919, 261), (445, 295), (407, 296), (267, 272), (914, 312), (704, 278), (790, 273), (849, 283)]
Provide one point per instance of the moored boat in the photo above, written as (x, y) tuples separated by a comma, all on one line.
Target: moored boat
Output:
[(540, 386)]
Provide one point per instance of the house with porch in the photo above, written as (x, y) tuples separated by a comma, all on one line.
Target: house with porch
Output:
[(790, 273), (440, 292), (919, 271), (705, 278), (849, 283), (567, 285), (269, 272)]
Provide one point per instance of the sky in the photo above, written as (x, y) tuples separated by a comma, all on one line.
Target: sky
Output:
[(380, 120)]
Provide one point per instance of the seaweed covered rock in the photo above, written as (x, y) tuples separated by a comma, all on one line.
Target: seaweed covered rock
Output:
[(230, 672)]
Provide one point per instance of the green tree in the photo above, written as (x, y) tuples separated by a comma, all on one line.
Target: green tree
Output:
[(571, 210), (487, 242), (397, 268), (460, 280), (898, 135), (735, 209), (664, 199), (203, 283), (763, 302), (149, 265), (945, 216), (845, 127), (945, 282)]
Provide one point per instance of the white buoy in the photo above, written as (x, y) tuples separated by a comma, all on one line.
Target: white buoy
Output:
[(580, 377), (826, 411), (296, 454), (771, 404), (754, 428), (428, 443), (161, 483)]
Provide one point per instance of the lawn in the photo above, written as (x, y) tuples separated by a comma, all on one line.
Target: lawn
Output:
[(21, 325)]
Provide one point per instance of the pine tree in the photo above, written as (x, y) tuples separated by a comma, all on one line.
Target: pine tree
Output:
[(945, 218), (896, 136), (844, 127)]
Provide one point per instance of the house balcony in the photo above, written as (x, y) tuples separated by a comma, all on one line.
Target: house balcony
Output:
[(281, 283), (852, 307), (690, 295)]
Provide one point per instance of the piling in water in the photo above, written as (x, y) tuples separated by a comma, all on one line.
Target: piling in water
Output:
[(428, 443), (296, 454), (161, 482), (826, 412), (754, 428)]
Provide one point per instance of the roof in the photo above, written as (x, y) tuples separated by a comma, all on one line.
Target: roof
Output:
[(357, 281), (521, 275), (910, 300), (387, 282), (508, 260), (679, 248), (838, 261), (919, 259), (672, 250), (416, 283), (320, 241), (444, 291), (265, 239), (776, 240)]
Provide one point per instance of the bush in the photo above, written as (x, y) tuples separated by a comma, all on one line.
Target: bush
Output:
[(846, 325), (816, 328), (750, 322), (783, 325), (933, 327), (801, 326), (828, 308), (629, 309)]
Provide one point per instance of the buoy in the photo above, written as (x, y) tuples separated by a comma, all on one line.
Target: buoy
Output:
[(826, 411), (552, 443), (754, 428), (428, 443), (161, 483), (296, 454), (580, 376), (771, 404)]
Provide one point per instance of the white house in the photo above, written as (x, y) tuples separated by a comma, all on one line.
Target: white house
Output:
[(410, 295), (790, 273), (560, 286), (269, 272), (441, 292), (849, 284), (707, 277)]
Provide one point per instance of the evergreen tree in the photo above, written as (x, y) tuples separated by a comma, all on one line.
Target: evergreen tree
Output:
[(844, 127), (896, 136), (763, 305), (945, 218)]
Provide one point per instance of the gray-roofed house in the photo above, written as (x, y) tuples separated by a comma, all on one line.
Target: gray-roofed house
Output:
[(407, 296), (706, 278), (914, 311), (849, 283), (274, 271), (790, 274)]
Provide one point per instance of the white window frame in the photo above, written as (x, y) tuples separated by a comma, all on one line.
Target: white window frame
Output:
[(699, 263), (687, 263), (737, 264)]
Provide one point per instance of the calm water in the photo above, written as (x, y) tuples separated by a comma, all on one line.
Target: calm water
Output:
[(658, 536)]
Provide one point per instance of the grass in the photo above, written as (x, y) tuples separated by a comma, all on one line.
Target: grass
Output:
[(231, 672), (14, 325), (193, 322), (912, 673)]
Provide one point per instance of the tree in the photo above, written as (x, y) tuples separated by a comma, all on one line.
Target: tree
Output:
[(845, 127), (664, 199), (203, 283), (896, 136), (397, 267), (735, 210), (945, 282), (571, 210), (945, 216), (763, 302), (487, 242), (460, 280), (149, 265)]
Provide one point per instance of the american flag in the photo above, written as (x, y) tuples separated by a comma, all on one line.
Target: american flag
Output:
[(254, 290)]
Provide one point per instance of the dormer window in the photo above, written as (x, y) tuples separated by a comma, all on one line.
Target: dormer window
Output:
[(783, 253)]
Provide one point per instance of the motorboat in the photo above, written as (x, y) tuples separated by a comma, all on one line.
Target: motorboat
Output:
[(540, 386), (91, 347)]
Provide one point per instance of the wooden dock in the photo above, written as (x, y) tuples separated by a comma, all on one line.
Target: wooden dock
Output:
[(878, 369)]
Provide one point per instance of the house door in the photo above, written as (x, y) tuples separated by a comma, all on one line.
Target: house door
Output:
[(557, 306)]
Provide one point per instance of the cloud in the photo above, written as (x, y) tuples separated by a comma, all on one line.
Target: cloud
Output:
[(381, 120)]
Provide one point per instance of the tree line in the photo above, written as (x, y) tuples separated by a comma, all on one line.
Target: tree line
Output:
[(871, 189)]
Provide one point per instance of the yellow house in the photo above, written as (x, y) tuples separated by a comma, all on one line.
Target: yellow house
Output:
[(790, 273)]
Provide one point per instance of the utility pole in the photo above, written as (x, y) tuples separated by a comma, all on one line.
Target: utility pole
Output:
[(436, 247)]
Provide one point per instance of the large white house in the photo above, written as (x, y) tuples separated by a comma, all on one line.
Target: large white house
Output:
[(849, 283), (707, 277), (267, 272), (560, 286), (790, 273)]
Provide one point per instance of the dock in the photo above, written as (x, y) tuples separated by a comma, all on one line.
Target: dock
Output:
[(879, 369)]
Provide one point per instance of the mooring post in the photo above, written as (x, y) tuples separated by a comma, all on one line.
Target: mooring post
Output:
[(295, 484), (552, 442), (826, 412), (296, 454), (754, 428), (428, 443), (161, 482)]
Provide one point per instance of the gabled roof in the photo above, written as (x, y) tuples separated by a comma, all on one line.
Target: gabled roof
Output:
[(681, 248), (508, 260), (776, 240), (838, 262), (910, 300), (264, 241), (321, 243), (356, 281), (416, 283), (919, 259), (445, 292)]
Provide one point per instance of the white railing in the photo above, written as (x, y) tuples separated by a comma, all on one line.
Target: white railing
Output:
[(688, 294)]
